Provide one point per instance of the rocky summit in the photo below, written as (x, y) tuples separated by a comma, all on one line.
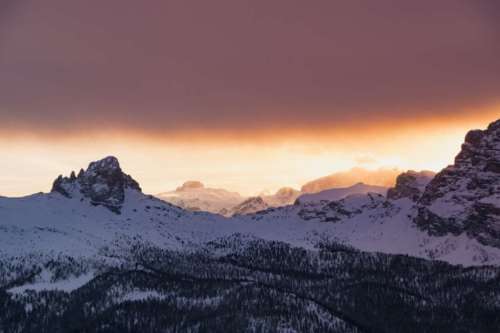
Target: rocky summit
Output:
[(103, 183), (465, 196), (410, 184)]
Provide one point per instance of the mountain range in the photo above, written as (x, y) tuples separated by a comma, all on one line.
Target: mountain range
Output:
[(195, 196), (97, 254)]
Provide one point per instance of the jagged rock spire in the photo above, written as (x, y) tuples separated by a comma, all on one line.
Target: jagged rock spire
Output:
[(103, 183)]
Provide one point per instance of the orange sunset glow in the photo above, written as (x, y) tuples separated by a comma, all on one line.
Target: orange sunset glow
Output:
[(251, 98), (249, 166), (250, 163)]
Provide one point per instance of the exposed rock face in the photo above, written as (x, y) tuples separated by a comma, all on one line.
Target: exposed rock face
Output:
[(336, 194), (103, 183), (410, 184), (465, 197)]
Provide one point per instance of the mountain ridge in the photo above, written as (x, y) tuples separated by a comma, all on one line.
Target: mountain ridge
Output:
[(336, 194), (371, 222), (465, 197)]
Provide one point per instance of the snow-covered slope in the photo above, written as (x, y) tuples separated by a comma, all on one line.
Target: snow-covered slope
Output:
[(340, 193), (51, 225), (103, 210), (369, 222)]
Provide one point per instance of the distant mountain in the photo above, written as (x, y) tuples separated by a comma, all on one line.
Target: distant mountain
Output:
[(381, 177), (194, 196), (249, 206), (284, 196), (336, 194)]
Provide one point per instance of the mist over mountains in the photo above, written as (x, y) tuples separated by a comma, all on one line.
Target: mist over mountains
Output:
[(380, 177), (193, 195)]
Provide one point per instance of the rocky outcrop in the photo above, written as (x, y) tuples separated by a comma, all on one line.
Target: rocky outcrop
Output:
[(103, 183), (465, 197), (410, 184)]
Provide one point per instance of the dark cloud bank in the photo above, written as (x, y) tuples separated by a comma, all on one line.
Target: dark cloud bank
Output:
[(184, 65)]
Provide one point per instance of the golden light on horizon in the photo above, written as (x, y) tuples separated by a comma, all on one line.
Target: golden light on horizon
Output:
[(246, 166), (252, 97)]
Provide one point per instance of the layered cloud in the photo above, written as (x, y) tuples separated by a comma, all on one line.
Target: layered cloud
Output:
[(173, 67), (245, 95)]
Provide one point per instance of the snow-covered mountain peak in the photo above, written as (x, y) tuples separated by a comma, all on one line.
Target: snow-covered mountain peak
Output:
[(465, 197), (249, 206), (103, 183), (194, 196)]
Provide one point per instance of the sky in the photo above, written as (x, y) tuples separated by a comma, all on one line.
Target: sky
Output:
[(247, 95)]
